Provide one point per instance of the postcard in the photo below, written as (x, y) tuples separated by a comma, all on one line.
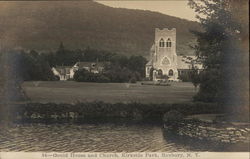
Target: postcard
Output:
[(124, 79)]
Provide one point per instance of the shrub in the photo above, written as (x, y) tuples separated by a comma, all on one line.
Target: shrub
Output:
[(185, 77), (132, 80), (172, 116), (97, 110), (57, 78), (103, 79)]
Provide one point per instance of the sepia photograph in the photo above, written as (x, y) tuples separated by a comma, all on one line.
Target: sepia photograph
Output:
[(124, 79)]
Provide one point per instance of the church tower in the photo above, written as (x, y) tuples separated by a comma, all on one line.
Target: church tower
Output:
[(163, 61), (165, 57)]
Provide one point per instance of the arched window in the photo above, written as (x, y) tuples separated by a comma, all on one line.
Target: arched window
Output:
[(151, 73), (169, 43), (160, 73), (161, 43), (170, 72)]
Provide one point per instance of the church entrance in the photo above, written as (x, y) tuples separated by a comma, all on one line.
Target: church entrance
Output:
[(151, 72)]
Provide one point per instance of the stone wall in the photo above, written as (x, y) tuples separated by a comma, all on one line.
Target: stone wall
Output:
[(216, 132)]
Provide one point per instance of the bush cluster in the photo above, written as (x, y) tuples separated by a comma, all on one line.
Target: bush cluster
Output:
[(26, 66), (112, 75), (96, 110), (36, 66)]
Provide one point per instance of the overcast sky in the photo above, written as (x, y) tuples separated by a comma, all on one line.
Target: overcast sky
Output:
[(177, 8)]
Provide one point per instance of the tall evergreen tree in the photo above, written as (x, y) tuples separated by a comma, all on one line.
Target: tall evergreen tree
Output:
[(221, 51)]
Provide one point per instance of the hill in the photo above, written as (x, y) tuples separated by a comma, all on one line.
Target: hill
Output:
[(42, 25)]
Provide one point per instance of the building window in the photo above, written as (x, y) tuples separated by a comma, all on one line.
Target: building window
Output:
[(151, 72), (160, 73), (170, 72), (161, 43), (165, 61), (169, 43)]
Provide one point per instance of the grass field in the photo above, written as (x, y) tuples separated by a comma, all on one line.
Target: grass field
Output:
[(71, 92)]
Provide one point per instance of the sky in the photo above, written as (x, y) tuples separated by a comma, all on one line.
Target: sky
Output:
[(177, 8)]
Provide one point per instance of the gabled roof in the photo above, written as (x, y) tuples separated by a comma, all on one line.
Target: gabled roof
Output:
[(150, 63), (91, 64), (63, 69), (152, 48)]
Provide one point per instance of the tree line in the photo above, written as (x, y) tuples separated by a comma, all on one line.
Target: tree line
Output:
[(36, 66)]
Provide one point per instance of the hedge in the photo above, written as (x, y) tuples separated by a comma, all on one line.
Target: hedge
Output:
[(101, 110)]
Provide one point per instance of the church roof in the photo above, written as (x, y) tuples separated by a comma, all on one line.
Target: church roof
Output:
[(152, 49), (150, 63), (184, 62)]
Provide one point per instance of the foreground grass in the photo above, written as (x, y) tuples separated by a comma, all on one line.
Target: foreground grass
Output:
[(71, 92)]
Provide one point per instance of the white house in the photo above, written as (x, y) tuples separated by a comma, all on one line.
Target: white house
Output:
[(67, 72), (63, 72)]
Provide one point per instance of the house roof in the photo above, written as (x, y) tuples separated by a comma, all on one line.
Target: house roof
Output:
[(63, 69), (91, 64)]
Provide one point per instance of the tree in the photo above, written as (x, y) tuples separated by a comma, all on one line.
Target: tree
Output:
[(219, 47), (10, 83), (194, 76), (119, 60), (61, 47), (137, 64), (83, 75)]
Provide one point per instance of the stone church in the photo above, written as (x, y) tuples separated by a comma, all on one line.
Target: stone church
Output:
[(164, 61)]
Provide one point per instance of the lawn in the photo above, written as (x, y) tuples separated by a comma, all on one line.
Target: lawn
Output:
[(71, 92)]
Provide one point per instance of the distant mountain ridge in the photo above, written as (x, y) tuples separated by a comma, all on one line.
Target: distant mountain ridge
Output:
[(79, 24)]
